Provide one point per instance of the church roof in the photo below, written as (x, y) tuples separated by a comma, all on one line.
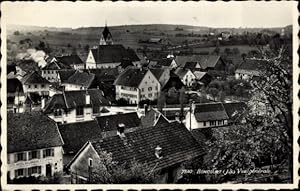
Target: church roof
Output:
[(106, 33)]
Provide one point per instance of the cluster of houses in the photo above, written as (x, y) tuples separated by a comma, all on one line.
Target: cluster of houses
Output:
[(61, 116)]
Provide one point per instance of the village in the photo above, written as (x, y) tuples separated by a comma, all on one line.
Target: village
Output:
[(155, 107)]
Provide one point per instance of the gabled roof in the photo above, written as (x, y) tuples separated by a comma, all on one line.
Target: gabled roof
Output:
[(75, 135), (34, 78), (152, 118), (56, 66), (65, 74), (113, 54), (251, 65), (125, 63), (177, 143), (165, 62), (28, 65), (110, 122), (106, 33), (174, 81), (158, 72), (131, 77), (70, 60), (199, 74), (80, 78), (235, 109), (181, 72), (31, 131), (14, 85), (73, 99), (104, 74), (191, 65), (205, 61), (210, 112)]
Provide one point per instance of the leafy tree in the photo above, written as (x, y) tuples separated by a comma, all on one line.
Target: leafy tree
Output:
[(17, 33), (107, 171)]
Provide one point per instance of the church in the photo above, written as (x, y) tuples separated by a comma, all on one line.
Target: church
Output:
[(109, 55)]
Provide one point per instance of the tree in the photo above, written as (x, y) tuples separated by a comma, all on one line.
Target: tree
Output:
[(17, 33), (107, 171), (161, 101), (87, 48), (182, 101)]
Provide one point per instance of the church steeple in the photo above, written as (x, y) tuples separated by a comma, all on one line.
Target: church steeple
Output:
[(106, 37)]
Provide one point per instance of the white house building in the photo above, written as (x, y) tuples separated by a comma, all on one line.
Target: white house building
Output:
[(136, 84), (75, 106), (78, 81), (50, 71), (35, 83), (34, 145), (187, 77)]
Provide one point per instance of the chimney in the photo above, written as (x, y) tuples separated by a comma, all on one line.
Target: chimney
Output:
[(87, 98), (158, 152), (120, 130)]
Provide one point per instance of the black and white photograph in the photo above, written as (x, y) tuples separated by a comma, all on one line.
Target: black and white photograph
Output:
[(132, 94)]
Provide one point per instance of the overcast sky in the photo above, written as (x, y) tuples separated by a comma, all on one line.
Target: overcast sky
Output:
[(211, 14)]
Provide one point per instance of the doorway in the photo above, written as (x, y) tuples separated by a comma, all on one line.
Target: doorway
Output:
[(48, 170)]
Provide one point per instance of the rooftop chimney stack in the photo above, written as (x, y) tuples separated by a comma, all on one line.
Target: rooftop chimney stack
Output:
[(120, 130), (158, 152)]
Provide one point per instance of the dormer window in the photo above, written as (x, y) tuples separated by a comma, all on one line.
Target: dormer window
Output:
[(90, 162), (158, 152)]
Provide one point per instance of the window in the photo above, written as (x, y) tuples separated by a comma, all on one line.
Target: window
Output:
[(220, 122), (20, 172), (204, 123), (43, 85), (149, 95), (90, 162), (29, 86), (142, 89), (57, 113), (96, 109), (79, 111), (33, 155), (150, 88), (35, 86), (20, 157), (48, 153), (34, 170), (156, 87), (48, 72), (212, 123)]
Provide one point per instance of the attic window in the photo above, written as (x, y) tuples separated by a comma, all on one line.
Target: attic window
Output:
[(121, 128), (158, 152), (90, 162)]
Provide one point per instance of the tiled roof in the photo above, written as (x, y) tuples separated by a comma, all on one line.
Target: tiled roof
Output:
[(149, 119), (81, 78), (75, 135), (113, 54), (30, 131), (104, 74), (28, 65), (65, 74), (190, 65), (157, 72), (165, 62), (235, 110), (174, 81), (199, 74), (210, 112), (176, 142), (181, 72), (250, 65), (34, 78), (72, 59), (125, 63), (56, 66), (110, 122), (73, 99), (205, 61), (14, 85), (131, 77)]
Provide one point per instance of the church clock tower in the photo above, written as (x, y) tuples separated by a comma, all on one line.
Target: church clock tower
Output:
[(106, 37)]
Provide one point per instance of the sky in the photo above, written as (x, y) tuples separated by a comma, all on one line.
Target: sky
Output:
[(210, 14)]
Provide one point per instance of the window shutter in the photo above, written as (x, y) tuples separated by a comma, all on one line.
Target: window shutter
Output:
[(25, 172), (16, 157), (24, 156), (38, 154), (52, 152), (29, 171), (29, 155), (44, 153)]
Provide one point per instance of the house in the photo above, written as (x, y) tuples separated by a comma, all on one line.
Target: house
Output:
[(100, 127), (76, 134), (250, 68), (35, 83), (136, 84), (63, 75), (24, 67), (27, 103), (161, 74), (206, 115), (72, 60), (164, 149), (187, 77), (110, 56), (50, 71), (14, 91), (193, 66), (207, 62), (167, 63), (174, 82), (75, 106), (203, 78), (34, 145), (78, 81)]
